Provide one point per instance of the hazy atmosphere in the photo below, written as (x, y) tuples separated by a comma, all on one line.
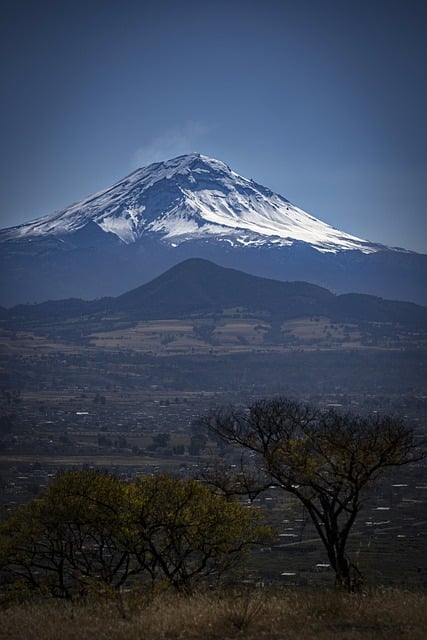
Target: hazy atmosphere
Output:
[(322, 101)]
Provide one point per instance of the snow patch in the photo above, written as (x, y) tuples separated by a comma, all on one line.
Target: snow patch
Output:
[(194, 197)]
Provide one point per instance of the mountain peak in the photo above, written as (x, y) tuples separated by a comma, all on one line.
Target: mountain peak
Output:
[(192, 206), (193, 198), (190, 160)]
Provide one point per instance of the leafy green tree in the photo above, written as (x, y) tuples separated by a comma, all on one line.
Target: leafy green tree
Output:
[(187, 533), (104, 441), (160, 440), (90, 531), (197, 443), (178, 449), (72, 539), (326, 459)]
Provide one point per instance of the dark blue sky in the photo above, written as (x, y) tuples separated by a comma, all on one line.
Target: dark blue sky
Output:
[(324, 101)]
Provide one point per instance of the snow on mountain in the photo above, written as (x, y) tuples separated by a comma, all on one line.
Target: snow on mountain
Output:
[(193, 197)]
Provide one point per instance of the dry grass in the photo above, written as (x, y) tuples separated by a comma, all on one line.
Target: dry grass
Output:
[(296, 615)]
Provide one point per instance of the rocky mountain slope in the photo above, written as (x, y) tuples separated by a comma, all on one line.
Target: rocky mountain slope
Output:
[(192, 206)]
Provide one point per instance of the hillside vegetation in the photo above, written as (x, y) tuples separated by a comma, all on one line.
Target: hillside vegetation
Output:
[(296, 614)]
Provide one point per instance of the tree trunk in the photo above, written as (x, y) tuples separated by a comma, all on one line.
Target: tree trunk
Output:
[(347, 575)]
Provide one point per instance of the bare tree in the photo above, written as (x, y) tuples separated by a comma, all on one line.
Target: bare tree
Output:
[(326, 459)]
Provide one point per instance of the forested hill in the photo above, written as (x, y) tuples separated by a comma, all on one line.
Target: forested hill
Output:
[(199, 287)]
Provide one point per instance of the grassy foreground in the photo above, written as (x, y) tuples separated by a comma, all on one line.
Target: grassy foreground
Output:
[(296, 615)]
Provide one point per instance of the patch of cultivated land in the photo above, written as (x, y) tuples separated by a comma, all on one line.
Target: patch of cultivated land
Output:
[(232, 335), (229, 332)]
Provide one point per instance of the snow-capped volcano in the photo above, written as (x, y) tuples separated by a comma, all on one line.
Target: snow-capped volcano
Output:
[(192, 207), (194, 197)]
